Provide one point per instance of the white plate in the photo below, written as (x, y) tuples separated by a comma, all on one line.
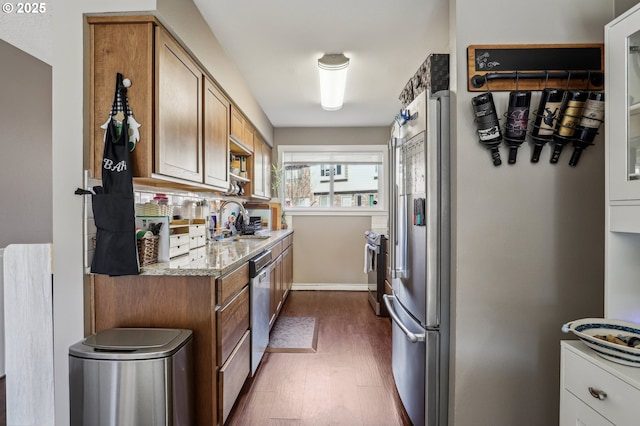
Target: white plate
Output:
[(587, 328)]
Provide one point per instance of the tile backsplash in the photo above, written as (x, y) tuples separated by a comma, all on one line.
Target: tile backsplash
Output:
[(185, 204)]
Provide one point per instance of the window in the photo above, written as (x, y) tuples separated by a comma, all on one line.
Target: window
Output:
[(333, 177)]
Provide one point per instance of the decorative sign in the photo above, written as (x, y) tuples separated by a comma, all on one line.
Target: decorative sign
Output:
[(535, 66)]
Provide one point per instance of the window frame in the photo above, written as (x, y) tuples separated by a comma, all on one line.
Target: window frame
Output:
[(380, 209)]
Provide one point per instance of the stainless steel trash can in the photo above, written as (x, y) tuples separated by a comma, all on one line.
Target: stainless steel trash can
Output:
[(132, 376)]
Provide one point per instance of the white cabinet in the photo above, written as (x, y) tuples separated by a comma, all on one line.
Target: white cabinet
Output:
[(622, 137), (594, 391), (622, 112)]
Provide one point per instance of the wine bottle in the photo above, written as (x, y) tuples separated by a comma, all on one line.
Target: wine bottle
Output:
[(568, 118), (487, 124), (515, 129), (546, 117), (587, 129)]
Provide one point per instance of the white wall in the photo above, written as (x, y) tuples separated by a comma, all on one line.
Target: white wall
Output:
[(25, 161), (528, 238), (328, 250)]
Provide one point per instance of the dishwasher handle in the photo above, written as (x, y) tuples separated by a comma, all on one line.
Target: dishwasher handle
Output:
[(413, 338)]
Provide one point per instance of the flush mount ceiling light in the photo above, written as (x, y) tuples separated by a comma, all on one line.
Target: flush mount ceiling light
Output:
[(333, 79)]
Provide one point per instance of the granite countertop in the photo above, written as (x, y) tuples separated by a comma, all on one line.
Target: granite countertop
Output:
[(222, 257)]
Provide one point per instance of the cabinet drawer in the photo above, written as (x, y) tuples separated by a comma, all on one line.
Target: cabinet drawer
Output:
[(276, 249), (228, 285), (196, 254), (196, 230), (180, 262), (232, 376), (575, 412), (179, 250), (197, 241), (288, 240), (176, 240), (231, 322), (619, 406)]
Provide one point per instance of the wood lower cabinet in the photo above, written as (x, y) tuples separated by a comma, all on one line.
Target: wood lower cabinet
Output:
[(171, 302), (281, 274), (233, 342), (217, 310)]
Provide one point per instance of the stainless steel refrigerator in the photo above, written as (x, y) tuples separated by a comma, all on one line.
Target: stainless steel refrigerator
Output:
[(419, 257)]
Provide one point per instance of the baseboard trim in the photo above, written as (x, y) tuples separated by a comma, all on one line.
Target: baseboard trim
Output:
[(330, 286)]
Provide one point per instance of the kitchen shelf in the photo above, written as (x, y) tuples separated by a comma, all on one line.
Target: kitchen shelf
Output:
[(237, 148), (238, 178)]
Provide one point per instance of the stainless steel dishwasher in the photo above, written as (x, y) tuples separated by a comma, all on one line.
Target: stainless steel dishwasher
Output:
[(260, 294)]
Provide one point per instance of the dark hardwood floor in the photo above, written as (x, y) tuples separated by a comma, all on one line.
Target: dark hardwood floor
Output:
[(348, 381)]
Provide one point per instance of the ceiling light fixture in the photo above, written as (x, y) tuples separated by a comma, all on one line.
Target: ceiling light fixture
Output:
[(333, 79)]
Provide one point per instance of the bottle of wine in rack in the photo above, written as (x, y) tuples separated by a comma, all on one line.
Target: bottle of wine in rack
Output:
[(587, 129), (515, 129), (545, 122), (487, 124), (568, 118)]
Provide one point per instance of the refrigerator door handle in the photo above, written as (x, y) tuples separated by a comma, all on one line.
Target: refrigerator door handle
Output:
[(396, 268), (413, 338), (393, 201)]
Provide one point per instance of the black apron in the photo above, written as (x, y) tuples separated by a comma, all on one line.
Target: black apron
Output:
[(116, 251)]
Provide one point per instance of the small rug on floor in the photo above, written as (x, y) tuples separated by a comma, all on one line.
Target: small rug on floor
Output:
[(294, 334)]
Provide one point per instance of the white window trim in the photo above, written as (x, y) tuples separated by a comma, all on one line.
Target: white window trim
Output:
[(380, 210)]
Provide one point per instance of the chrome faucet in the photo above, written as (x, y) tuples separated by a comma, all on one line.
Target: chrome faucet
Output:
[(243, 212)]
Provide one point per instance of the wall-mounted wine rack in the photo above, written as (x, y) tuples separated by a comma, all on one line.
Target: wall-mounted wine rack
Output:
[(508, 67)]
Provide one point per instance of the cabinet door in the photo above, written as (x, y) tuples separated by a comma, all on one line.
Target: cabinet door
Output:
[(266, 161), (279, 282), (178, 141), (273, 306), (622, 130), (237, 124), (258, 169), (216, 137), (287, 269), (134, 59)]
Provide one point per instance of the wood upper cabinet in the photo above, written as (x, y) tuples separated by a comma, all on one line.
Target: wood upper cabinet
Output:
[(237, 124), (123, 46), (184, 117), (178, 143), (216, 136), (257, 179), (261, 168)]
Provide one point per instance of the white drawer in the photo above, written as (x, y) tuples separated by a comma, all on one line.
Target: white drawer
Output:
[(196, 254), (180, 262), (176, 240), (195, 230), (179, 250), (580, 375), (575, 412), (197, 241)]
